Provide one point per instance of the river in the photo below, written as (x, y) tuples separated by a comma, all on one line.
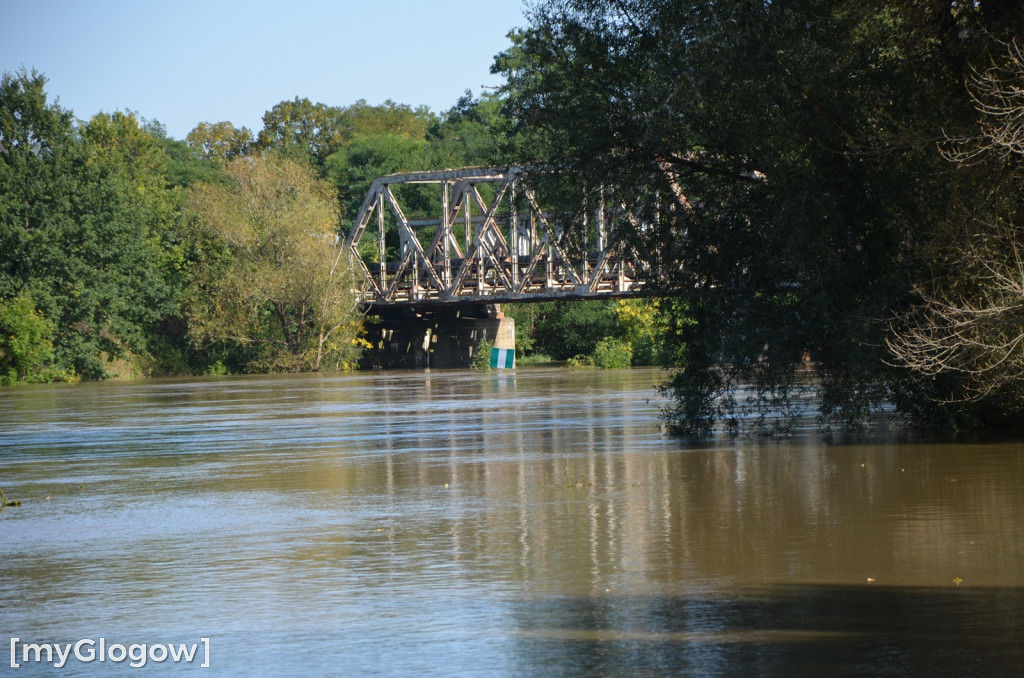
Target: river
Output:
[(454, 523)]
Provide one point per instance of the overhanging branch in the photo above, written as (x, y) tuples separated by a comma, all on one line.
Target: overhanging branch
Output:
[(752, 177)]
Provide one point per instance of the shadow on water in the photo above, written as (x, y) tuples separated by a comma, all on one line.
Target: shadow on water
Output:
[(789, 631)]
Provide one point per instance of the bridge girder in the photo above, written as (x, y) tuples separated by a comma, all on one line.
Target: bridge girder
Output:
[(479, 252)]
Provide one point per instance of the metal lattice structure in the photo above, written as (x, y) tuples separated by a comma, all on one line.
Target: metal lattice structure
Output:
[(507, 249)]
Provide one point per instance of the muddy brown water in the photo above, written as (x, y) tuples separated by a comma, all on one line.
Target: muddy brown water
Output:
[(532, 523)]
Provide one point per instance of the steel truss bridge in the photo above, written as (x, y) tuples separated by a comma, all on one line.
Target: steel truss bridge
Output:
[(487, 240)]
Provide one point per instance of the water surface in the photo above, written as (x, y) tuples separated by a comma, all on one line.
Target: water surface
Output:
[(462, 524)]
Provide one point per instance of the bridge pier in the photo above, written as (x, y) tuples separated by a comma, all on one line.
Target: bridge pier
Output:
[(435, 336)]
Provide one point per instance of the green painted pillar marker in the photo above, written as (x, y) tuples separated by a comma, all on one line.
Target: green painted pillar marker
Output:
[(503, 358)]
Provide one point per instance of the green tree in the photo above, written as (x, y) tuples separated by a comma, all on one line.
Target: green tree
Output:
[(275, 284), (185, 165), (572, 328), (472, 132), (781, 160), (26, 346), (220, 141), (380, 140), (352, 169), (644, 325), (612, 354), (362, 119), (302, 129), (83, 215), (314, 131)]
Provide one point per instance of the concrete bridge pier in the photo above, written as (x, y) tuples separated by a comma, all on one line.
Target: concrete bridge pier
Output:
[(434, 336)]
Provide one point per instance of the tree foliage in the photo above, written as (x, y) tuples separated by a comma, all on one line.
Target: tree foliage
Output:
[(362, 119), (94, 239), (352, 169), (83, 219), (302, 129), (221, 141), (274, 284), (312, 132), (645, 325), (781, 160), (472, 132), (612, 354), (562, 330), (967, 327), (26, 346)]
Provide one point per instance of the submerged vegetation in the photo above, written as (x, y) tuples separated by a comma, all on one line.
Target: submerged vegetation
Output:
[(569, 478), (5, 502), (829, 194), (482, 356)]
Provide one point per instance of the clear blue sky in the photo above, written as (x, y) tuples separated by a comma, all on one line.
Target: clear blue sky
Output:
[(192, 61)]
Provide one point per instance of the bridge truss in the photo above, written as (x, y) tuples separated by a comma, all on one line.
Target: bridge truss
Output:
[(479, 235)]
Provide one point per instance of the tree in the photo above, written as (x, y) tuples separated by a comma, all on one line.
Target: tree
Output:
[(781, 161), (644, 325), (472, 132), (184, 163), (378, 140), (362, 119), (221, 141), (303, 129), (565, 330), (26, 346), (967, 330), (83, 216), (275, 282), (352, 169)]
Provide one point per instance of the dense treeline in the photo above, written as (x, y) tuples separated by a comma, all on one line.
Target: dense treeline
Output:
[(827, 184), (125, 251), (828, 195)]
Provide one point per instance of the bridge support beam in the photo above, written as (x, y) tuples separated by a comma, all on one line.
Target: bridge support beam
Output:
[(435, 337)]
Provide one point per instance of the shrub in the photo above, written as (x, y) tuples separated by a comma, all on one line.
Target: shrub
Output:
[(26, 346), (482, 356), (612, 354)]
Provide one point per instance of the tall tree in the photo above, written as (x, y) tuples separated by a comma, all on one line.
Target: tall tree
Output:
[(378, 140), (221, 141), (275, 282), (362, 119), (303, 129), (472, 132), (781, 159), (83, 214), (967, 329), (352, 169)]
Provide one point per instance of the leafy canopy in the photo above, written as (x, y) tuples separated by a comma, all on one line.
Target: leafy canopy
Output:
[(275, 282), (85, 213), (782, 162)]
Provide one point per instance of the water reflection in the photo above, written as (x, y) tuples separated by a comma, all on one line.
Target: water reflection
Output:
[(536, 523)]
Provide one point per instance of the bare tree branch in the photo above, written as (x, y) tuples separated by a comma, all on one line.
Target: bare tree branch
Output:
[(973, 324)]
